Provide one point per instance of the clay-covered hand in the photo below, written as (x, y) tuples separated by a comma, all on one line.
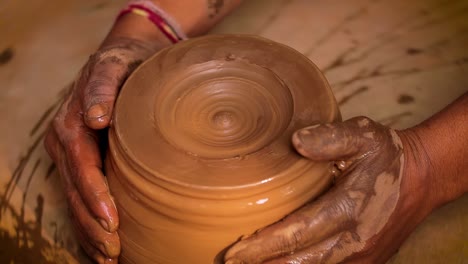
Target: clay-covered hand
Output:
[(373, 206), (73, 143)]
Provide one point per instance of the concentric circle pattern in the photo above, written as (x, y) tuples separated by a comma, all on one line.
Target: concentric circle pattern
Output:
[(232, 111), (200, 147), (218, 112)]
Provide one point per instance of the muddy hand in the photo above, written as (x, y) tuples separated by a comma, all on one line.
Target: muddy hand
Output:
[(73, 143), (363, 218)]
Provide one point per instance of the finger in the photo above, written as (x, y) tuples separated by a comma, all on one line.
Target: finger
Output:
[(90, 250), (83, 156), (337, 141), (331, 250), (311, 224), (56, 152), (101, 88), (84, 223), (80, 158), (107, 243), (51, 143)]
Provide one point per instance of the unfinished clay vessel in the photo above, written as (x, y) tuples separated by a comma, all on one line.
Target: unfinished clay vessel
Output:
[(200, 147)]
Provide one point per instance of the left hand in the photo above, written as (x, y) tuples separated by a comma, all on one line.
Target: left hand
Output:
[(377, 200), (74, 138)]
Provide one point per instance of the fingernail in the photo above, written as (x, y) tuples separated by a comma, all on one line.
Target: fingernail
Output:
[(301, 135), (298, 138), (104, 224), (306, 130), (109, 248), (97, 111), (297, 141)]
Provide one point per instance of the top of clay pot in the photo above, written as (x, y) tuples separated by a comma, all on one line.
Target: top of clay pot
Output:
[(219, 111)]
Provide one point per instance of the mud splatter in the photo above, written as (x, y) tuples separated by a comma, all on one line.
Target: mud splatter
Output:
[(405, 99), (413, 51), (6, 55)]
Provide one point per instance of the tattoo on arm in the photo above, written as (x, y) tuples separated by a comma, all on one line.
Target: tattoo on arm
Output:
[(215, 7)]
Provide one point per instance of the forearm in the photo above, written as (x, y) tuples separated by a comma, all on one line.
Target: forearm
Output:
[(443, 152), (194, 17)]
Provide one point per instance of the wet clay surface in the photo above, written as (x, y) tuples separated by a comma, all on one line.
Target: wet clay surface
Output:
[(365, 51), (200, 147)]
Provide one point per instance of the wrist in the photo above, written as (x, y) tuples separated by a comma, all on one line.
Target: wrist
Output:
[(420, 194), (139, 28), (432, 162), (196, 17), (445, 147)]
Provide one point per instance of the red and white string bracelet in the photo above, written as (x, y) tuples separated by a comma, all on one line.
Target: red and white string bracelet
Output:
[(161, 19)]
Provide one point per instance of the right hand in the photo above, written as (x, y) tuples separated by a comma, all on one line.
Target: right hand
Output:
[(377, 199), (73, 143)]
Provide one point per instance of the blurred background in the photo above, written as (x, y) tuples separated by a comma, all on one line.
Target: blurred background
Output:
[(396, 61)]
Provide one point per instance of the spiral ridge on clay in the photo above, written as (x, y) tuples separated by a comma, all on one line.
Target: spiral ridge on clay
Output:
[(231, 111), (200, 146), (216, 112)]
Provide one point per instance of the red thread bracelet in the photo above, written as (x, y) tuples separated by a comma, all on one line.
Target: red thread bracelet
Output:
[(169, 31)]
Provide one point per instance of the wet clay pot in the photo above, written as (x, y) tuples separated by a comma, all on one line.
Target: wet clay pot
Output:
[(200, 148)]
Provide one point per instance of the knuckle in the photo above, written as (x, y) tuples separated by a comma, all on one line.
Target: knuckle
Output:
[(365, 118), (99, 98), (93, 86), (74, 201), (57, 123), (68, 142), (99, 83), (363, 121), (49, 144), (113, 57), (341, 209), (297, 236), (100, 90)]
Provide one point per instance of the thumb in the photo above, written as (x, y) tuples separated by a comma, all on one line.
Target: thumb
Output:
[(101, 89), (338, 141)]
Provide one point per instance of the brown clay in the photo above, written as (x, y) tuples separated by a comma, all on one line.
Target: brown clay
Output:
[(200, 148)]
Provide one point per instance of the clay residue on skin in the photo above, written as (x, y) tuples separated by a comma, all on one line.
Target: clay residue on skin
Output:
[(6, 55), (363, 123), (375, 203), (369, 135), (200, 146), (347, 217)]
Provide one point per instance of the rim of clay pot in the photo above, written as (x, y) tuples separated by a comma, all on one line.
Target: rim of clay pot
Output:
[(204, 54)]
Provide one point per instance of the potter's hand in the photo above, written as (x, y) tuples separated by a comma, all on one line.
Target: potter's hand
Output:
[(73, 139), (363, 218)]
